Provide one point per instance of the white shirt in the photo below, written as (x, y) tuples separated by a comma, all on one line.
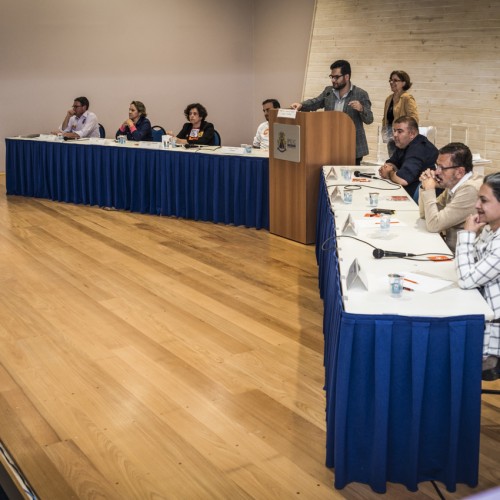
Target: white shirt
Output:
[(339, 104), (261, 139), (464, 179), (85, 126)]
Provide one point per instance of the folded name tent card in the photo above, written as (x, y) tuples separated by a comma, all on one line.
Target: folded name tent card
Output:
[(331, 174), (230, 150), (336, 195), (356, 277), (349, 226)]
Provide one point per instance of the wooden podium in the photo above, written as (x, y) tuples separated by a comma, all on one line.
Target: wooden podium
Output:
[(326, 138)]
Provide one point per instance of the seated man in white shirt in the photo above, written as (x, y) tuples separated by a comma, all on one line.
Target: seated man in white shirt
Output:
[(446, 213), (79, 121), (261, 139)]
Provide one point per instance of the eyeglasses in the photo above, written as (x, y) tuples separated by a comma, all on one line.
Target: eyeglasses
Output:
[(439, 167), (395, 81), (335, 77), (79, 106)]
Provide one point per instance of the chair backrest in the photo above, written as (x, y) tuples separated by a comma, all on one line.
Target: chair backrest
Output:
[(157, 132), (429, 132), (217, 139), (102, 131)]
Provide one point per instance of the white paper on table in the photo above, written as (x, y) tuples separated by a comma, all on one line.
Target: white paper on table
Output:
[(423, 283)]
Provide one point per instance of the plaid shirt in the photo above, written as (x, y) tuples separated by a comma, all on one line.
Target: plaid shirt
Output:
[(477, 261)]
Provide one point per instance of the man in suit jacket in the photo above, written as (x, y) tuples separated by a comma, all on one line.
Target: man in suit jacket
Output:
[(447, 212), (342, 95)]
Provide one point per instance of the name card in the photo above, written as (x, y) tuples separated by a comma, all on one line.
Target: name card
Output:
[(331, 174), (350, 227), (287, 113), (356, 277)]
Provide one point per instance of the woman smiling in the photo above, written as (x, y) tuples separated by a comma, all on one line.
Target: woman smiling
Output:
[(478, 265)]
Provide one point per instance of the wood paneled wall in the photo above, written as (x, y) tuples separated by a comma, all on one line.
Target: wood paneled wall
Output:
[(450, 48)]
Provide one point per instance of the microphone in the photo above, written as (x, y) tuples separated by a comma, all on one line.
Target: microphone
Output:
[(357, 173), (378, 253)]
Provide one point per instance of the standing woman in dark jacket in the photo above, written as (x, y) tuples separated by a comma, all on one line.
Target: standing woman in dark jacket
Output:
[(137, 127), (197, 130)]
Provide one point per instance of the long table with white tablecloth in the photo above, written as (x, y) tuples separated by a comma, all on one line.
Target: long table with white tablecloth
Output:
[(403, 375), (142, 177)]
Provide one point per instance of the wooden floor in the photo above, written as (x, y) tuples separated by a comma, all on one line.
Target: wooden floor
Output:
[(148, 357)]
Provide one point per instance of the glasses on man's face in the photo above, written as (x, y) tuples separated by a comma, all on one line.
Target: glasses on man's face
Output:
[(335, 77), (76, 107), (439, 167), (395, 81)]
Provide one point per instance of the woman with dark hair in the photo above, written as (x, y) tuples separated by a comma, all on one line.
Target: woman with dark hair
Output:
[(197, 130), (477, 262), (399, 103), (137, 127)]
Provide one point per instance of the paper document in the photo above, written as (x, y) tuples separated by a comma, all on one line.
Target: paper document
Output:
[(423, 283)]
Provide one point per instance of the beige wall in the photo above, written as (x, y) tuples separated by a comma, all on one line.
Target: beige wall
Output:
[(282, 35), (227, 54), (450, 49)]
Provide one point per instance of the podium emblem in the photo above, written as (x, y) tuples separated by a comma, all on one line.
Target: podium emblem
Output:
[(281, 142)]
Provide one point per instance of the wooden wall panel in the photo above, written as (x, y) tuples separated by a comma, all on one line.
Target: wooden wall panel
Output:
[(449, 48)]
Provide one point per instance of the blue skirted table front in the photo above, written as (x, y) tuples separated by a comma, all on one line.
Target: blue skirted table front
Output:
[(403, 394), (198, 186)]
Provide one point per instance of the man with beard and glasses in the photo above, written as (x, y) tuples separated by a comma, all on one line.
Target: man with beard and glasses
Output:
[(342, 95), (447, 212), (414, 153)]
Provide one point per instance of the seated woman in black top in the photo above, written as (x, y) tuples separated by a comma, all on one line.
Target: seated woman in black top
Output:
[(137, 127), (197, 131)]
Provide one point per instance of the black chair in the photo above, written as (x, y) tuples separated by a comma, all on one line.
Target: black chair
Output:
[(102, 131), (157, 132), (217, 139)]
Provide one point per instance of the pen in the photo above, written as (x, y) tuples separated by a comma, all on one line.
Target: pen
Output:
[(408, 289), (411, 281)]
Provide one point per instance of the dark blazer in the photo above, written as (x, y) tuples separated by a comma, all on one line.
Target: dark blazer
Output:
[(141, 133), (327, 100), (205, 136)]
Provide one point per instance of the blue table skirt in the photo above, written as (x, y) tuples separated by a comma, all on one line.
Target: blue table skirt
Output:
[(403, 394), (225, 189)]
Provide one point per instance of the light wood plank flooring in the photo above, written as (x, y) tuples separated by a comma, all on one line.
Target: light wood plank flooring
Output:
[(149, 357)]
